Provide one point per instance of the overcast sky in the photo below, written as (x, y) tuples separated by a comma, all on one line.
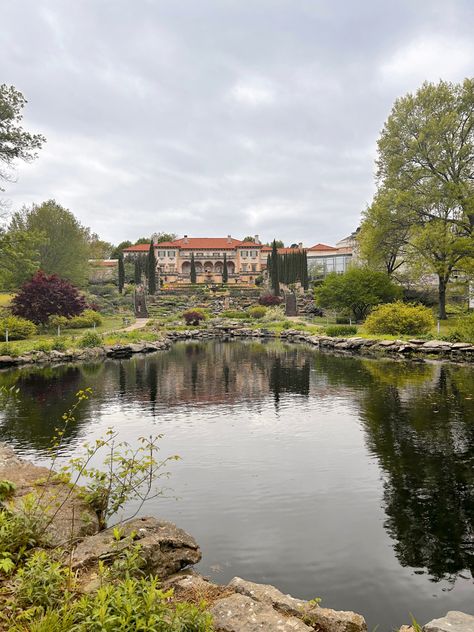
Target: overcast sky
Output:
[(216, 117)]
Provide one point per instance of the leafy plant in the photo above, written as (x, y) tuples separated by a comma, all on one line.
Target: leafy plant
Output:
[(130, 474), (400, 318), (40, 582), (7, 489), (273, 314)]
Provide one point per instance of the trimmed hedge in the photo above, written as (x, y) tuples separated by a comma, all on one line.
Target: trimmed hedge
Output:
[(400, 318), (18, 328)]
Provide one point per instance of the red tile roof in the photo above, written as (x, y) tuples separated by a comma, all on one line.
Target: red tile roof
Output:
[(198, 243), (322, 247)]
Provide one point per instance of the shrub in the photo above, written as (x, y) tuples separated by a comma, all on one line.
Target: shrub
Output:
[(337, 331), (56, 321), (18, 328), (59, 344), (272, 314), (194, 316), (234, 313), (357, 290), (463, 330), (90, 339), (269, 299), (258, 311), (88, 318), (45, 295), (400, 319)]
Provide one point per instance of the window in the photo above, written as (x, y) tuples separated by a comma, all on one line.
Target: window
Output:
[(244, 253), (171, 254), (254, 267), (244, 267)]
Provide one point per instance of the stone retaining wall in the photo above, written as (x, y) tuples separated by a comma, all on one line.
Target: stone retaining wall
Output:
[(411, 349)]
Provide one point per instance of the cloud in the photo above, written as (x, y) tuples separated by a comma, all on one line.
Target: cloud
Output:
[(211, 117)]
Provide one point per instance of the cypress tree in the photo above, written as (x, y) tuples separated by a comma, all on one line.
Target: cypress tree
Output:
[(121, 273), (275, 270), (138, 270), (151, 269), (305, 280), (193, 269), (225, 275)]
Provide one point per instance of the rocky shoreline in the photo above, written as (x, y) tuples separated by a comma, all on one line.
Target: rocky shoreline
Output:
[(414, 349), (169, 553)]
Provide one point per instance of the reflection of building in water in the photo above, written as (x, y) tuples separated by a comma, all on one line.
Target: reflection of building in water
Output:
[(189, 373)]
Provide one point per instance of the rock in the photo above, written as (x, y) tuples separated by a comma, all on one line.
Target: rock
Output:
[(454, 621), (267, 594), (165, 548), (460, 345), (386, 343), (66, 516), (406, 628), (327, 620), (6, 360), (437, 344), (239, 613)]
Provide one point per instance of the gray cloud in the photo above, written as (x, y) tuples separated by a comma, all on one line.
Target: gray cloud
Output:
[(210, 117)]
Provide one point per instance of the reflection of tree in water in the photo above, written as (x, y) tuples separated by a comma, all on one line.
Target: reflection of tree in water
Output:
[(289, 377), (423, 436), (44, 395)]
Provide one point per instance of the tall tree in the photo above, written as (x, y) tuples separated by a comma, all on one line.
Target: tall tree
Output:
[(65, 250), (15, 142), (162, 237), (151, 269), (137, 269), (275, 272), (385, 231), (426, 152), (193, 269), (19, 256), (225, 272), (121, 273)]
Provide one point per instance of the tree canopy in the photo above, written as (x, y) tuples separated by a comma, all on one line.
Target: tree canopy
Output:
[(15, 142), (424, 206), (65, 247)]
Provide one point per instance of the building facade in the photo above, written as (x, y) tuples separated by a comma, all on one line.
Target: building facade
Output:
[(246, 260)]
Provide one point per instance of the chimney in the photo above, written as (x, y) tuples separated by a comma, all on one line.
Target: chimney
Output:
[(185, 239), (229, 239), (300, 245), (257, 239)]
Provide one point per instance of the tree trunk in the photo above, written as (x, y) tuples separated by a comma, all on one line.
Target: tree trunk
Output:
[(442, 297)]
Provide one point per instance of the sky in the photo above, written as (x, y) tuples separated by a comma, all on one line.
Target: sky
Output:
[(218, 117)]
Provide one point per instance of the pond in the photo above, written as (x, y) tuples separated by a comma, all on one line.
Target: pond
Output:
[(343, 478)]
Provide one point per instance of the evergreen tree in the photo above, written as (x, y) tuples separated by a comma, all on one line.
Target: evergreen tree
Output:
[(275, 277), (138, 271), (225, 275), (121, 273), (151, 269), (193, 269)]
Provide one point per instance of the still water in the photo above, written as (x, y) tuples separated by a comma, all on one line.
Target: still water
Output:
[(342, 478)]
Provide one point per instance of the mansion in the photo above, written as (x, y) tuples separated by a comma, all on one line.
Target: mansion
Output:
[(246, 260)]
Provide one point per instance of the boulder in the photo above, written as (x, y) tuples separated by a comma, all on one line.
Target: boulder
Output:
[(267, 594), (165, 548), (327, 620), (321, 619), (239, 613), (454, 621)]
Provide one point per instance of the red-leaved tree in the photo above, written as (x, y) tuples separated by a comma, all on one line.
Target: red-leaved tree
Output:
[(44, 295)]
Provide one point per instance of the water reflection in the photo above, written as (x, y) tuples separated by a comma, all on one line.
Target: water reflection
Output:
[(293, 404)]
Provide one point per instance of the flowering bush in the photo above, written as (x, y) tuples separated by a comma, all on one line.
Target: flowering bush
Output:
[(400, 319), (45, 295), (269, 299)]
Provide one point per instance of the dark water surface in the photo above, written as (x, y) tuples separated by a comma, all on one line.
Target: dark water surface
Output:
[(345, 478)]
